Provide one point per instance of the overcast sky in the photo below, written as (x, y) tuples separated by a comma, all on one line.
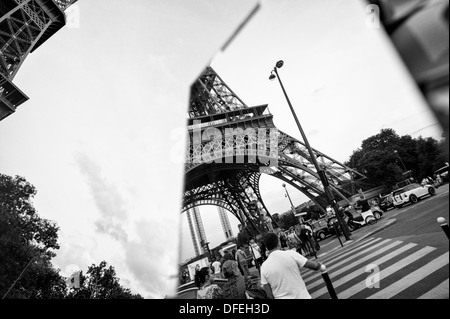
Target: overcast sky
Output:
[(342, 75), (102, 135)]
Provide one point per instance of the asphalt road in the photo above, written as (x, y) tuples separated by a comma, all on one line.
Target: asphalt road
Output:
[(415, 222), (407, 245), (418, 222)]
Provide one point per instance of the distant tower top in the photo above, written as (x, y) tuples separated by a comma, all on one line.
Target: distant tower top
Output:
[(64, 4), (210, 95), (24, 26)]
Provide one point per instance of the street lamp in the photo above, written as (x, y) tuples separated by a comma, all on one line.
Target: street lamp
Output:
[(323, 178), (292, 205)]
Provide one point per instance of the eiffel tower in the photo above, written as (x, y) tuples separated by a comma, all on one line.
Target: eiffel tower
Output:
[(231, 144), (24, 26)]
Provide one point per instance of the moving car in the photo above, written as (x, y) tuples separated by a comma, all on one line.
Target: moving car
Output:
[(411, 193)]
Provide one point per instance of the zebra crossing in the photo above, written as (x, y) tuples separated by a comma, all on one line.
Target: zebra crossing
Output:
[(377, 268)]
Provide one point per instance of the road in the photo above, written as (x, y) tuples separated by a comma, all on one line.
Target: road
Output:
[(404, 256)]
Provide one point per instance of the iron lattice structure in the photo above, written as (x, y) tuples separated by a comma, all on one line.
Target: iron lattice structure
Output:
[(24, 26), (231, 144)]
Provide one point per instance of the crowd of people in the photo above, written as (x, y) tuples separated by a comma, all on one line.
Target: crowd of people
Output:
[(278, 264), (301, 238), (232, 266)]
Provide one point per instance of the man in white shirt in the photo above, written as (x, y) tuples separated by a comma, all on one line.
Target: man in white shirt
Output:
[(216, 265), (256, 253), (280, 272)]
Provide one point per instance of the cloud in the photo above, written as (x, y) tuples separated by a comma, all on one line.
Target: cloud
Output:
[(109, 227), (107, 198), (148, 256)]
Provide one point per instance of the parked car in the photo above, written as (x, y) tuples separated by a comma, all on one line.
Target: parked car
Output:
[(320, 229), (376, 210), (411, 193), (386, 202)]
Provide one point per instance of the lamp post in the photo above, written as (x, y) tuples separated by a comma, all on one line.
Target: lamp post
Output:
[(292, 205), (320, 171)]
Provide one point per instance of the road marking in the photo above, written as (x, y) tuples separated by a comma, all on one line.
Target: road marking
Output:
[(353, 264), (366, 242), (310, 273), (332, 241), (438, 292), (412, 278), (359, 246), (362, 285), (334, 249)]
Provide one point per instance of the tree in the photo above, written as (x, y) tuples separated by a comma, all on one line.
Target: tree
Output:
[(101, 282), (287, 220), (27, 244), (443, 151), (428, 153), (385, 157)]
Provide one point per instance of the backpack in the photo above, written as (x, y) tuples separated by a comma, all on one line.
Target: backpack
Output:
[(256, 293)]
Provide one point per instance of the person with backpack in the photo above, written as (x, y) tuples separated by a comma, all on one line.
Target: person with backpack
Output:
[(241, 258), (236, 284), (306, 237)]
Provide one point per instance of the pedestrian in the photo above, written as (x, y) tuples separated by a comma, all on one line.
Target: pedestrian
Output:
[(241, 258), (228, 255), (312, 238), (362, 205), (438, 180), (302, 248), (263, 250), (206, 287), (293, 239), (236, 284), (435, 181), (280, 273), (283, 240), (256, 253), (306, 238), (216, 266)]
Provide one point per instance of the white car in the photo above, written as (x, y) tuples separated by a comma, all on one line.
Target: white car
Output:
[(411, 194)]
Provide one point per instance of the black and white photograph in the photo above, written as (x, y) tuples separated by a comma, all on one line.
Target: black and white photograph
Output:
[(232, 150)]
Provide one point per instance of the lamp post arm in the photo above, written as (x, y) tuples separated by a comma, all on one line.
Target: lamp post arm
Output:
[(313, 158), (292, 205), (319, 170)]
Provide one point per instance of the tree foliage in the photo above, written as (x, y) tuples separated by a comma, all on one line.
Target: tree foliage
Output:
[(386, 156), (287, 220), (101, 282), (27, 245), (27, 242)]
